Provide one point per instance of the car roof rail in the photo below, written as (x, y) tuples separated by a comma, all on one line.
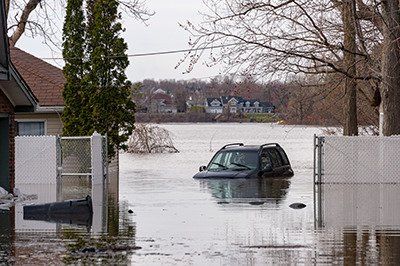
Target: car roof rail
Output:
[(269, 144), (232, 144)]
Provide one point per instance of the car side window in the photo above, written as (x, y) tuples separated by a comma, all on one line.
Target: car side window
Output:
[(285, 159), (275, 157), (265, 160)]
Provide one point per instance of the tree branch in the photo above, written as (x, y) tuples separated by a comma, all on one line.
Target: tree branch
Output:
[(30, 6)]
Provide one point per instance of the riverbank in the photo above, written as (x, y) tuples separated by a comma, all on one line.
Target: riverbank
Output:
[(206, 118)]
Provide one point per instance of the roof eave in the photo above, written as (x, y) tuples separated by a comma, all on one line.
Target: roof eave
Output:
[(49, 109), (24, 87)]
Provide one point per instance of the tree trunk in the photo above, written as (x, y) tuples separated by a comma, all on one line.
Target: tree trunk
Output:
[(391, 68), (350, 127)]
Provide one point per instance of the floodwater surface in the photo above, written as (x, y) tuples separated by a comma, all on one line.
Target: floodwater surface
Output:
[(184, 221), (165, 217)]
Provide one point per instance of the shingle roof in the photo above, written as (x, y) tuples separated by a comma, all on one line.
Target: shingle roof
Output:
[(210, 100), (226, 99), (46, 81)]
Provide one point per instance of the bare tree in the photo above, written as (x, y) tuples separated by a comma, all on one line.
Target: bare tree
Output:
[(42, 17), (150, 139), (274, 39)]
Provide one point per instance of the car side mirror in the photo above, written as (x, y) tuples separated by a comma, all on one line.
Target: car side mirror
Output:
[(202, 168)]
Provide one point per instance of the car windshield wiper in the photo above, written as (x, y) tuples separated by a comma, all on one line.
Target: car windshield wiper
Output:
[(241, 165), (221, 165)]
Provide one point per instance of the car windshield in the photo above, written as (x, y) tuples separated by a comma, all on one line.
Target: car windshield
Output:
[(234, 160)]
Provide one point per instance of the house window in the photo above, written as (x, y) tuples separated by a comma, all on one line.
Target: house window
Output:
[(31, 128)]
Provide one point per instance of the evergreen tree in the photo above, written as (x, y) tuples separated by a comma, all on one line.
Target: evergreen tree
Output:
[(73, 53), (110, 101)]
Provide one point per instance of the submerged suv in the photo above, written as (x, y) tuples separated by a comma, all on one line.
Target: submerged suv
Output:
[(237, 160)]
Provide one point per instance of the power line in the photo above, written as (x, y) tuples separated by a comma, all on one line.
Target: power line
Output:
[(155, 53)]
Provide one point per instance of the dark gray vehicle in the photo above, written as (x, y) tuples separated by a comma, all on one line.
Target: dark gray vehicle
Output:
[(237, 160)]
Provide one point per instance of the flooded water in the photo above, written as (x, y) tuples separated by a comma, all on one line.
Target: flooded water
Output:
[(165, 217), (244, 222)]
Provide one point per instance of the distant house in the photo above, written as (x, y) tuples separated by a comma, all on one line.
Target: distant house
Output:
[(232, 103), (237, 104), (255, 106), (213, 105), (161, 102)]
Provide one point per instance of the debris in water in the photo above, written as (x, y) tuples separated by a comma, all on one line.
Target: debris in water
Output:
[(276, 246), (7, 200), (130, 211), (256, 202), (297, 205)]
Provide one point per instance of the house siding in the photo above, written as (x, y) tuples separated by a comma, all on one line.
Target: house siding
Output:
[(7, 108), (53, 121)]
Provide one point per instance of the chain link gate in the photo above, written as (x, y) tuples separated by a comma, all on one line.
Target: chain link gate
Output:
[(75, 169), (62, 168)]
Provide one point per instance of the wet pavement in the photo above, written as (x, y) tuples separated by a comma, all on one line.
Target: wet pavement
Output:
[(165, 217)]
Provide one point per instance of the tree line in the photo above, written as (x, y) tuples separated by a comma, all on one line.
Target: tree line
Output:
[(297, 101)]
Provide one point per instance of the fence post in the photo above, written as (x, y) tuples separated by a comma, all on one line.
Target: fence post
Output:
[(97, 159), (98, 184)]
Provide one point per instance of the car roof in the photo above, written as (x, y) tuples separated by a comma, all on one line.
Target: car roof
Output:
[(242, 148)]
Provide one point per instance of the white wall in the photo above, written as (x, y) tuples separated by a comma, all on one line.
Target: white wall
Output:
[(35, 160)]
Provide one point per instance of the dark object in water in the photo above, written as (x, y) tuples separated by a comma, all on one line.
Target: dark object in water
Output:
[(297, 205), (256, 202), (130, 211), (78, 212)]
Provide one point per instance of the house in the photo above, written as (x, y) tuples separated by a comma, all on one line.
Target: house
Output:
[(46, 82), (255, 106), (237, 104), (161, 102), (213, 105), (231, 103), (15, 97)]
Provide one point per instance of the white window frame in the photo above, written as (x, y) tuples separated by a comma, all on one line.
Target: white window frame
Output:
[(32, 120)]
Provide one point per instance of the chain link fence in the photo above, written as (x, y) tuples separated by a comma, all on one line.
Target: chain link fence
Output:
[(357, 160), (356, 181)]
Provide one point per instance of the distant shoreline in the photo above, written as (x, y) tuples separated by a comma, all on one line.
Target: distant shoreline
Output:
[(206, 118)]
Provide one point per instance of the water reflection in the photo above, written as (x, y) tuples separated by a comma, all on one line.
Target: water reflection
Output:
[(6, 235), (258, 190), (367, 217), (33, 240), (358, 205)]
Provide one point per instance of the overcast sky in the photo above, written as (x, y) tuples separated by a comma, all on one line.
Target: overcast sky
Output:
[(162, 34)]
